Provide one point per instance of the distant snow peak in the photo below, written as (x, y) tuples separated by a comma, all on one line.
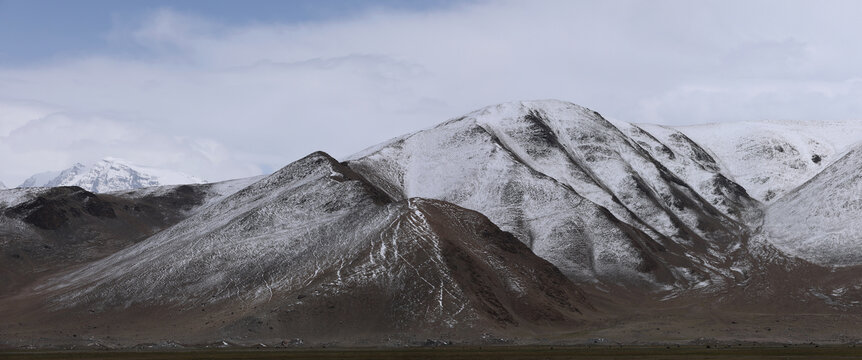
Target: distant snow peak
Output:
[(2, 186), (110, 174), (40, 179)]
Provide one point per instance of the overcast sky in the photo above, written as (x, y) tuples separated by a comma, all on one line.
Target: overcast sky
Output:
[(225, 89)]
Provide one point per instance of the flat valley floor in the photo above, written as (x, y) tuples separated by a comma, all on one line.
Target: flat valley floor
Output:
[(808, 351)]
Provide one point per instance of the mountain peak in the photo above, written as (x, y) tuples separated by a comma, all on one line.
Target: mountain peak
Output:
[(521, 108), (110, 174)]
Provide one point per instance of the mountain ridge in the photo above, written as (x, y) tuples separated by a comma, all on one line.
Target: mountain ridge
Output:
[(423, 265), (522, 153), (523, 221)]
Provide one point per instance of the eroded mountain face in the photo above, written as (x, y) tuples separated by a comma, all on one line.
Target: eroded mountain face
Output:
[(577, 190), (525, 220)]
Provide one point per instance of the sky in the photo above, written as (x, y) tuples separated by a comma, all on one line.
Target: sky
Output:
[(227, 89)]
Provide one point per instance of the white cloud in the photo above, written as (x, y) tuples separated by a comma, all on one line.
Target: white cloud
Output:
[(226, 99), (49, 140), (792, 100)]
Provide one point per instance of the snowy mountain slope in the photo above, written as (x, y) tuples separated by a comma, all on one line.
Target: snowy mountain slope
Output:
[(14, 196), (46, 229), (819, 221), (2, 185), (770, 158), (42, 179), (281, 246), (566, 182), (213, 192), (110, 174), (693, 164)]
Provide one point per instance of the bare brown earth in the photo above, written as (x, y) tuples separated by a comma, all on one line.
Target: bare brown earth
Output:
[(684, 321)]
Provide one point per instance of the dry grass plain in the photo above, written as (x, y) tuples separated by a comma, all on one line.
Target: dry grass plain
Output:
[(493, 352)]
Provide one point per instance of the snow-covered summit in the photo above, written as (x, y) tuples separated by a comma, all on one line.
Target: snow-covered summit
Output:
[(110, 174)]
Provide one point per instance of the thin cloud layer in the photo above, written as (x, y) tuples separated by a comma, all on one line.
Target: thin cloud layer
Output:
[(54, 140), (220, 101)]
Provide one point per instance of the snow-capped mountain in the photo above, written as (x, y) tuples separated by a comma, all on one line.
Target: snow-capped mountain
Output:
[(110, 174), (2, 185), (529, 219), (571, 185), (42, 179), (771, 158)]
